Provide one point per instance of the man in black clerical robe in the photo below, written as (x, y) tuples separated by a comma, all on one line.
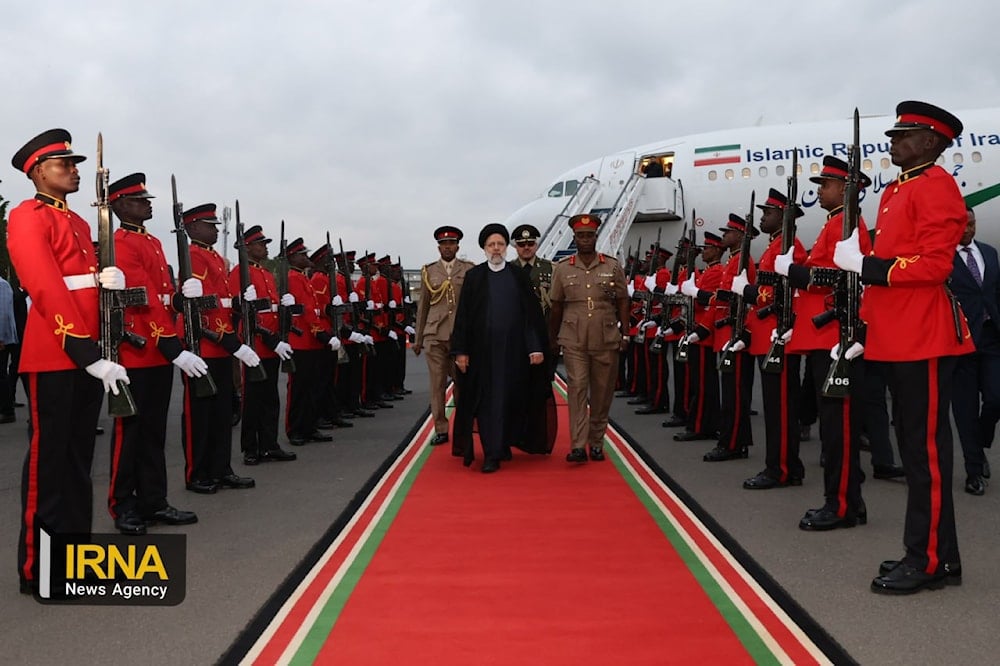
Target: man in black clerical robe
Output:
[(499, 339)]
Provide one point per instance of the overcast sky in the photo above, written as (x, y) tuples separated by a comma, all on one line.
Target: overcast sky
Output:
[(379, 121)]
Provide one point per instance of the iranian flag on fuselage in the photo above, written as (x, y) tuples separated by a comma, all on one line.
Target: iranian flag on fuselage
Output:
[(714, 155)]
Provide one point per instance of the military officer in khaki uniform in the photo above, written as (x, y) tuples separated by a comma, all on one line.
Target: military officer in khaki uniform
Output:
[(525, 238), (589, 320), (441, 284)]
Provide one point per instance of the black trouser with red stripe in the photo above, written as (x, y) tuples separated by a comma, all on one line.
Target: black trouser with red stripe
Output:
[(349, 379), (326, 394), (302, 398), (659, 376), (734, 430), (840, 421), (207, 430), (637, 361), (261, 411), (138, 462), (56, 489), (682, 381), (780, 393), (921, 395), (703, 404)]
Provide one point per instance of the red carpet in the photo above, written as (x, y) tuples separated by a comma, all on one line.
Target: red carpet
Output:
[(541, 563)]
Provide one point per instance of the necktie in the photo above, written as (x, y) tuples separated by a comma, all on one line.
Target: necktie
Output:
[(527, 267), (970, 261)]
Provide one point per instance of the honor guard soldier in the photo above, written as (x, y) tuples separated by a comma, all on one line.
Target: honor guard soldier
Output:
[(779, 390), (349, 382), (51, 250), (917, 328), (440, 288), (657, 349), (208, 426), (703, 408), (373, 291), (589, 320), (843, 505), (391, 310), (310, 344), (327, 403), (138, 492), (261, 405)]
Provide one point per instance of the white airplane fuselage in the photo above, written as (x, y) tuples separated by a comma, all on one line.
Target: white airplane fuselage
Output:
[(714, 173)]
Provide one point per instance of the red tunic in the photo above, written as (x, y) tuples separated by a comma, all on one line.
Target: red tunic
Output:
[(708, 280), (815, 300), (310, 322), (920, 221), (140, 256), (208, 266), (380, 295), (730, 271), (760, 329), (263, 282), (48, 243)]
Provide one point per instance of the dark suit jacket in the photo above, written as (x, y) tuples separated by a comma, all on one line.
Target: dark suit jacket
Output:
[(976, 301)]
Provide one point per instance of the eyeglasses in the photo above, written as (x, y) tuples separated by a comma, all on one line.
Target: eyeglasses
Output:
[(525, 243)]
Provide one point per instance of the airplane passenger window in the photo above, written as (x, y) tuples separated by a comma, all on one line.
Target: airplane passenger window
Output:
[(712, 175), (977, 157), (730, 174), (745, 172), (556, 190), (571, 187), (762, 172), (779, 170), (957, 158), (814, 169), (884, 163), (866, 165)]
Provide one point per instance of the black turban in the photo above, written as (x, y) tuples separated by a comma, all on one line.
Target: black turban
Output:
[(489, 230)]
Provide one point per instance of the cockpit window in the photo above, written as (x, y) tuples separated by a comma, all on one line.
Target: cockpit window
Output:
[(556, 190), (571, 187)]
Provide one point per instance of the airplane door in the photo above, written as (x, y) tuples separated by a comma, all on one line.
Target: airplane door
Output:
[(615, 172)]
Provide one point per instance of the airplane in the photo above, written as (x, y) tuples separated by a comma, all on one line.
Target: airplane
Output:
[(713, 173)]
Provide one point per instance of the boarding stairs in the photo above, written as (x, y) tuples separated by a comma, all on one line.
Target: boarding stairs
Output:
[(617, 222), (557, 240)]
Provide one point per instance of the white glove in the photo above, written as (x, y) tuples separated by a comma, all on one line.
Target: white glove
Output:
[(369, 340), (352, 297), (287, 300), (688, 287), (670, 289), (111, 277), (247, 356), (630, 289), (393, 335), (408, 300), (370, 305), (192, 288), (693, 338), (650, 282), (647, 324), (854, 351), (337, 301), (356, 337), (847, 254), (334, 343), (738, 346), (283, 350), (410, 330), (250, 294), (740, 282), (783, 261), (191, 365), (109, 373), (786, 336), (392, 305)]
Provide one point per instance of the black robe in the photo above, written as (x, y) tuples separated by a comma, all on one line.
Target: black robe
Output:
[(501, 389)]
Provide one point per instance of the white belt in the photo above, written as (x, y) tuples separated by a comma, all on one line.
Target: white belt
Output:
[(274, 307), (318, 312), (226, 303), (166, 299), (82, 281)]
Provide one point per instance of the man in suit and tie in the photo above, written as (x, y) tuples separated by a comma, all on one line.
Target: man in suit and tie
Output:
[(975, 281)]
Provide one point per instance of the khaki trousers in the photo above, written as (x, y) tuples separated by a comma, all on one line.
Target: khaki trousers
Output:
[(589, 374), (441, 367)]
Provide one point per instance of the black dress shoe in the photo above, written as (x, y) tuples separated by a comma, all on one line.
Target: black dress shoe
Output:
[(170, 516), (596, 454), (296, 441), (651, 410), (490, 466), (576, 456), (695, 436), (888, 472), (342, 423), (388, 397), (825, 519), (99, 430), (975, 485), (250, 460), (720, 454), (363, 413), (238, 482), (203, 487), (348, 415), (904, 579), (637, 400), (382, 404), (624, 394), (952, 572), (369, 407), (317, 436), (765, 481), (674, 423), (439, 438), (277, 455), (324, 424), (130, 523)]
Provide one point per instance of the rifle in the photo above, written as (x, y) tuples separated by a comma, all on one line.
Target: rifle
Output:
[(631, 281), (357, 308), (114, 301), (204, 386), (656, 346), (847, 290), (409, 309), (686, 302), (737, 304), (334, 312), (285, 312), (248, 309), (774, 361)]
